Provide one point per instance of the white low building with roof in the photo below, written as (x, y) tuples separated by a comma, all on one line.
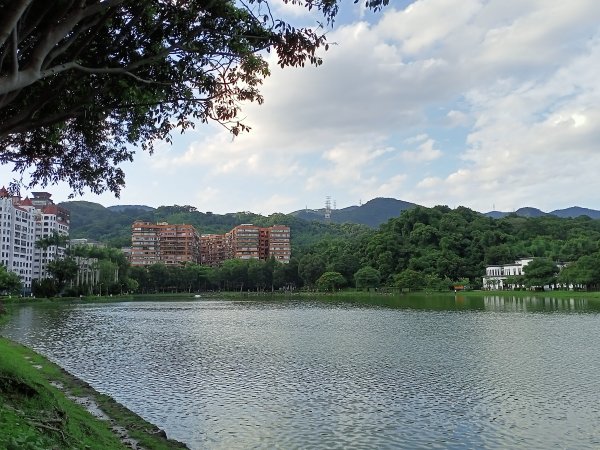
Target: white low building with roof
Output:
[(496, 276)]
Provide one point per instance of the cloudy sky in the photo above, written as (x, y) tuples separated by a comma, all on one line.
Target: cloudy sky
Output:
[(489, 104)]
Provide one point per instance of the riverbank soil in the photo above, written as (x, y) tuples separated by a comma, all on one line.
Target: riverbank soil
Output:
[(44, 407)]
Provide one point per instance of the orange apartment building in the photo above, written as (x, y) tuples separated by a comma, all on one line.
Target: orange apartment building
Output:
[(177, 244), (247, 241), (212, 249), (278, 241), (165, 243), (244, 242)]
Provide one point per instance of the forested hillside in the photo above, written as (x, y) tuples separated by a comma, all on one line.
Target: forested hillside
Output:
[(422, 248), (113, 226), (430, 245)]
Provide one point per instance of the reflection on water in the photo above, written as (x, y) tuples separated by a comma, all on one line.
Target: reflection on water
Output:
[(459, 373), (538, 304)]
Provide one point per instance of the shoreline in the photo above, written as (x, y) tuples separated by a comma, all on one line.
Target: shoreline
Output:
[(381, 297), (44, 406)]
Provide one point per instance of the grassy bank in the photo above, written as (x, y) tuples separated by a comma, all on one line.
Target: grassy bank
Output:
[(43, 407)]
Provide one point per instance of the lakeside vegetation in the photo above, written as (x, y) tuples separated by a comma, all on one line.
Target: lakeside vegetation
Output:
[(422, 248), (380, 296), (428, 249), (412, 261)]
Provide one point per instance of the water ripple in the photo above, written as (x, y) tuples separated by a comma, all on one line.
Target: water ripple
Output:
[(227, 375)]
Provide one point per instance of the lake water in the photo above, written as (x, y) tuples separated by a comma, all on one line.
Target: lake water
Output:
[(483, 373)]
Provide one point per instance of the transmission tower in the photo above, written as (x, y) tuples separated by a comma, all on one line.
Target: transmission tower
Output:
[(328, 209)]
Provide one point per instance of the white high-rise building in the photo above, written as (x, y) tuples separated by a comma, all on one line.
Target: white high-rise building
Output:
[(17, 228), (50, 220), (22, 223)]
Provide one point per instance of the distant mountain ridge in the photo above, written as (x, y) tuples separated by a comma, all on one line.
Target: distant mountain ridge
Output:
[(121, 208), (572, 212), (113, 225), (373, 213), (379, 210)]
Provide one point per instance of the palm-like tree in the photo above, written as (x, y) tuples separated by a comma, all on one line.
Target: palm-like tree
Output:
[(53, 240)]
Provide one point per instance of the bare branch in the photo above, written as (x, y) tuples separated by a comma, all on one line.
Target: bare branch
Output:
[(12, 13), (27, 26), (15, 56), (57, 51), (55, 35), (46, 120)]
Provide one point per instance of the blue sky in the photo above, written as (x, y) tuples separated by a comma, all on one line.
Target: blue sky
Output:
[(481, 103)]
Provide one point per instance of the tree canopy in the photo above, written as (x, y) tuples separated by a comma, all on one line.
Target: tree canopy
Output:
[(9, 281), (367, 277), (540, 272), (330, 281), (62, 271), (82, 83)]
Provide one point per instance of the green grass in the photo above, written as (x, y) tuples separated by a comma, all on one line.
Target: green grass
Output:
[(34, 414)]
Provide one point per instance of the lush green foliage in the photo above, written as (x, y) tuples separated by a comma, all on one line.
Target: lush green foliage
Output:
[(540, 272), (367, 277), (91, 220), (423, 248), (62, 270), (113, 269), (585, 272), (233, 275), (55, 239), (457, 244), (330, 281), (10, 282)]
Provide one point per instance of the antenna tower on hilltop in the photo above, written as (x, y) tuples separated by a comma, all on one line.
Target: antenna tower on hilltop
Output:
[(328, 209)]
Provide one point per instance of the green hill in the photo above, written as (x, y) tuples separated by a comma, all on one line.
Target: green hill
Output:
[(113, 226)]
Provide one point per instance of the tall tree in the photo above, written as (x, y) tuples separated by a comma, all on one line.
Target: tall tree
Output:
[(62, 270), (310, 268), (410, 279), (9, 281), (540, 272), (330, 281), (82, 80), (367, 277), (584, 272)]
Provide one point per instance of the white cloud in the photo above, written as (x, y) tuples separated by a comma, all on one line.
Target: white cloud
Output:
[(424, 152), (488, 102), (389, 188), (425, 23), (457, 118)]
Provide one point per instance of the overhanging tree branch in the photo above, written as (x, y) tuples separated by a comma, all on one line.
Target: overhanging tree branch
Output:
[(83, 81), (12, 12)]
